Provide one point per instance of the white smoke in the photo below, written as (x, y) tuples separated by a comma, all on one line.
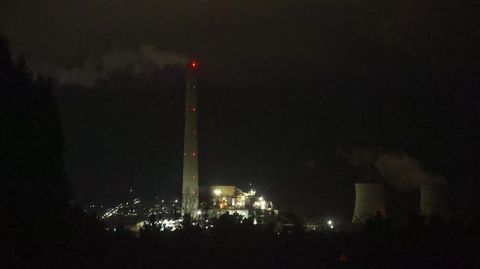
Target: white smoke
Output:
[(137, 62), (404, 172), (397, 169)]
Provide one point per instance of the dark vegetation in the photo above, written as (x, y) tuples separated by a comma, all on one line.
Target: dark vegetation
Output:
[(39, 228)]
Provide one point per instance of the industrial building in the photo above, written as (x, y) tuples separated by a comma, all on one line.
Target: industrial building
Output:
[(218, 200)]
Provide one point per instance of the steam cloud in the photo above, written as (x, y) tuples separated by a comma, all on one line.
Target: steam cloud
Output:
[(403, 172), (139, 61), (398, 169)]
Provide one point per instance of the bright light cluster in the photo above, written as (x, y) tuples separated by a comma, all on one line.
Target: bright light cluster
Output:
[(330, 224), (110, 212), (168, 224), (261, 203)]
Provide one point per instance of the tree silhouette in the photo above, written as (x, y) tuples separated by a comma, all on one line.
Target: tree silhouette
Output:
[(34, 191)]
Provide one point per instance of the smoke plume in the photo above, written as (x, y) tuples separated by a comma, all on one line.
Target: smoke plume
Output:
[(397, 169), (140, 61), (403, 172)]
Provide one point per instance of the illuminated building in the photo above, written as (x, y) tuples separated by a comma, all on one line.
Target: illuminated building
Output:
[(217, 200), (190, 150)]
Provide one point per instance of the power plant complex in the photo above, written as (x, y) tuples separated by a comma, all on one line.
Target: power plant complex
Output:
[(200, 204), (215, 200), (206, 202)]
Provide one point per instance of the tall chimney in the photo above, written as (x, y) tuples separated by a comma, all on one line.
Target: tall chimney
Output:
[(369, 200), (190, 146)]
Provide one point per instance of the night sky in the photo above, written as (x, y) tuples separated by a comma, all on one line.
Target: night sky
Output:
[(287, 89)]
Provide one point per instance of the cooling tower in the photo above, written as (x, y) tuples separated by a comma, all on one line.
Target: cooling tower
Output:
[(434, 200), (369, 199)]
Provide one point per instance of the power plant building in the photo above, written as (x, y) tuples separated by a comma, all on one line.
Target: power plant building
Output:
[(218, 200)]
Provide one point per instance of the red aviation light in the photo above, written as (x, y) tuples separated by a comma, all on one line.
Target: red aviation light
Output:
[(193, 65)]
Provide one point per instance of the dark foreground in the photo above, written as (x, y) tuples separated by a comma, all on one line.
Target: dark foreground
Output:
[(82, 242)]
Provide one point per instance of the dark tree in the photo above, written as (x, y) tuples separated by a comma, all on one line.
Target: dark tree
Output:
[(34, 190)]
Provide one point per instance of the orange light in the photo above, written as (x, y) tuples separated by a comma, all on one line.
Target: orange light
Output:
[(194, 154)]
